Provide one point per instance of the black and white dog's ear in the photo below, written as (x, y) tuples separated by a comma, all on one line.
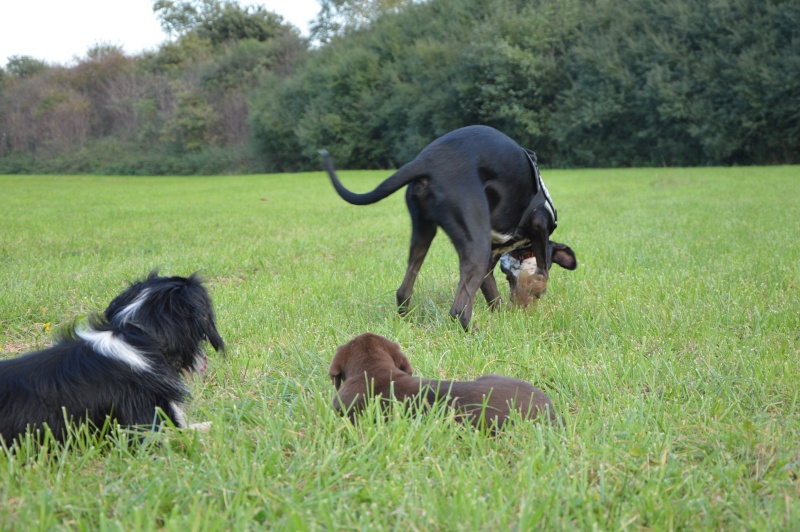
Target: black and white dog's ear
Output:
[(214, 338), (206, 320), (564, 256)]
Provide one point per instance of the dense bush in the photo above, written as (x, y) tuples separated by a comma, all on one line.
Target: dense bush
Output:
[(584, 82), (182, 109), (683, 83)]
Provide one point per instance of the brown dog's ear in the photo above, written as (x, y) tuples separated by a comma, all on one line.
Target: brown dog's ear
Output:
[(348, 401), (400, 360), (336, 375), (405, 365)]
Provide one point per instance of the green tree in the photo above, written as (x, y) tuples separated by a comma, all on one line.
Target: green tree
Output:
[(25, 66), (337, 17), (218, 21), (191, 126), (272, 119), (683, 83), (175, 58), (377, 96)]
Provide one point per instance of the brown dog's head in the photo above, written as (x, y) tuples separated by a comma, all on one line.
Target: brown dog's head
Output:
[(367, 353)]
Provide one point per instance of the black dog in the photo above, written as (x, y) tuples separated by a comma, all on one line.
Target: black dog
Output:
[(124, 365), (485, 191)]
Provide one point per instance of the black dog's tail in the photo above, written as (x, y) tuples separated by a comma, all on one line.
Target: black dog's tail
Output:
[(392, 184)]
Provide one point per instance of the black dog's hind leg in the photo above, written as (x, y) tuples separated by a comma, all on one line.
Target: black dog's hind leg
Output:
[(422, 232)]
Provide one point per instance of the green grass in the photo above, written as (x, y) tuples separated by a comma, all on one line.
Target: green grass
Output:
[(672, 352)]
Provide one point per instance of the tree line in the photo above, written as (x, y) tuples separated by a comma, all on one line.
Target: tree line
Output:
[(583, 82)]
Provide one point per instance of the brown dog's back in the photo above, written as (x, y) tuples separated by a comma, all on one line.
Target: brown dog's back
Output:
[(499, 395)]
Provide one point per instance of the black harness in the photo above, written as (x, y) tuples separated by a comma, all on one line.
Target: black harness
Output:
[(542, 196), (515, 251)]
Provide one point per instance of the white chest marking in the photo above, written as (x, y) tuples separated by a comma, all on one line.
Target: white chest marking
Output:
[(180, 417), (500, 238)]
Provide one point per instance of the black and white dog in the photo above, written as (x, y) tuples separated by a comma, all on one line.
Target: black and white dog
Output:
[(124, 365), (485, 191)]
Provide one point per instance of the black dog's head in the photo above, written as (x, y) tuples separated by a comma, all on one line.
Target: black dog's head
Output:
[(530, 271), (527, 286), (174, 312)]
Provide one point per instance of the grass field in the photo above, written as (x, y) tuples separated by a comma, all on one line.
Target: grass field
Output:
[(673, 351)]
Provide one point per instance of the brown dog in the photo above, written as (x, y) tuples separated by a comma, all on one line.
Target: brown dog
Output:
[(370, 365)]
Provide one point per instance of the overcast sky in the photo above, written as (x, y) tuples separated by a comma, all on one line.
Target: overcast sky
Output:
[(57, 31)]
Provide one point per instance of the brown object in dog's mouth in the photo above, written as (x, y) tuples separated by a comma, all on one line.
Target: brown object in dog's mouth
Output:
[(527, 280), (528, 288)]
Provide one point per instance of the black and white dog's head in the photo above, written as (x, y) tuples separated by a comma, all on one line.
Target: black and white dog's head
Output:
[(125, 365), (173, 313)]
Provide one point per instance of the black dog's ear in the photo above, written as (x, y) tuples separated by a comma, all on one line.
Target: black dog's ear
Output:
[(214, 338), (564, 256), (206, 321)]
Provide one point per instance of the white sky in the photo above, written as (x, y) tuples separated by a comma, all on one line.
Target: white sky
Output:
[(58, 31)]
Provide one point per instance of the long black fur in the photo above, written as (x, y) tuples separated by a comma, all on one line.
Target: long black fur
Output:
[(164, 320)]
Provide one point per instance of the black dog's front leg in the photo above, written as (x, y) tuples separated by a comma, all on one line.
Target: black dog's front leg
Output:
[(472, 276), (539, 235), (489, 287)]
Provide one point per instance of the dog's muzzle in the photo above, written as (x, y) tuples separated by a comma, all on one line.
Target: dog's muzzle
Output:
[(200, 363)]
